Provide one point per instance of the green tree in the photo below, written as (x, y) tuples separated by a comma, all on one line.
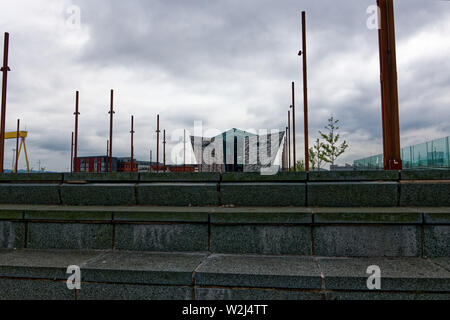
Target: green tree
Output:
[(332, 148), (317, 155), (300, 166)]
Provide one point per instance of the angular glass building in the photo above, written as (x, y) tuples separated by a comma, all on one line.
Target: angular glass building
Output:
[(237, 151), (432, 154)]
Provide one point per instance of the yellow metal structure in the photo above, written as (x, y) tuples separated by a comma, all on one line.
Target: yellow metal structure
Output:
[(22, 136)]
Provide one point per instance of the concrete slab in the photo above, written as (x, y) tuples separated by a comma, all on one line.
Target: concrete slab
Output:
[(425, 175), (436, 215), (423, 193), (122, 177), (31, 177), (262, 215), (437, 241), (354, 176), (41, 264), (263, 194), (98, 194), (161, 214), (259, 272), (178, 194), (12, 235), (227, 294), (397, 274), (367, 241), (79, 236), (143, 268), (367, 215), (180, 177), (15, 289), (161, 237), (101, 291), (29, 193), (352, 194), (258, 177), (261, 239)]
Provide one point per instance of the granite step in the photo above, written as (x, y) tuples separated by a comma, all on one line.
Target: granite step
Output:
[(334, 232), (110, 274)]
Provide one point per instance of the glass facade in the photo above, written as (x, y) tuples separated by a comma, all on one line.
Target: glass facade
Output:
[(432, 154)]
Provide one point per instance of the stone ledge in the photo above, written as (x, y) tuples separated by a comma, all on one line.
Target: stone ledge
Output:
[(258, 177), (180, 177), (31, 177), (126, 275), (122, 177), (354, 176), (227, 215)]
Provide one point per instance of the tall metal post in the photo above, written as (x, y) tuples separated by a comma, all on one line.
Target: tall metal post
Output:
[(5, 70), (17, 146), (157, 144), (184, 152), (111, 113), (289, 139), (77, 113), (132, 144), (305, 91), (293, 126), (71, 155), (151, 156), (164, 150), (389, 87)]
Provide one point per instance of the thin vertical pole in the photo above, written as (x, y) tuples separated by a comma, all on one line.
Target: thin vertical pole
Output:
[(157, 144), (305, 91), (71, 155), (164, 150), (132, 144), (17, 146), (184, 152), (107, 156), (293, 126), (151, 155), (5, 70), (289, 139), (77, 113), (389, 86), (111, 113)]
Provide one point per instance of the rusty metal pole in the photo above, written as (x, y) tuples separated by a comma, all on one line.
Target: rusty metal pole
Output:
[(164, 150), (71, 155), (111, 113), (132, 144), (5, 70), (289, 139), (151, 155), (77, 113), (293, 126), (389, 86), (305, 91), (157, 144), (17, 146)]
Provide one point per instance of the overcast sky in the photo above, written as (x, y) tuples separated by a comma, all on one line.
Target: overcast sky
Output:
[(227, 63)]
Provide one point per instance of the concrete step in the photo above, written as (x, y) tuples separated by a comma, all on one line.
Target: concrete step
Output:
[(108, 274), (333, 232), (316, 189)]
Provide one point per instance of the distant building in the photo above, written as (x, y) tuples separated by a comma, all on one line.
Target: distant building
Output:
[(432, 154), (347, 167), (237, 151)]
